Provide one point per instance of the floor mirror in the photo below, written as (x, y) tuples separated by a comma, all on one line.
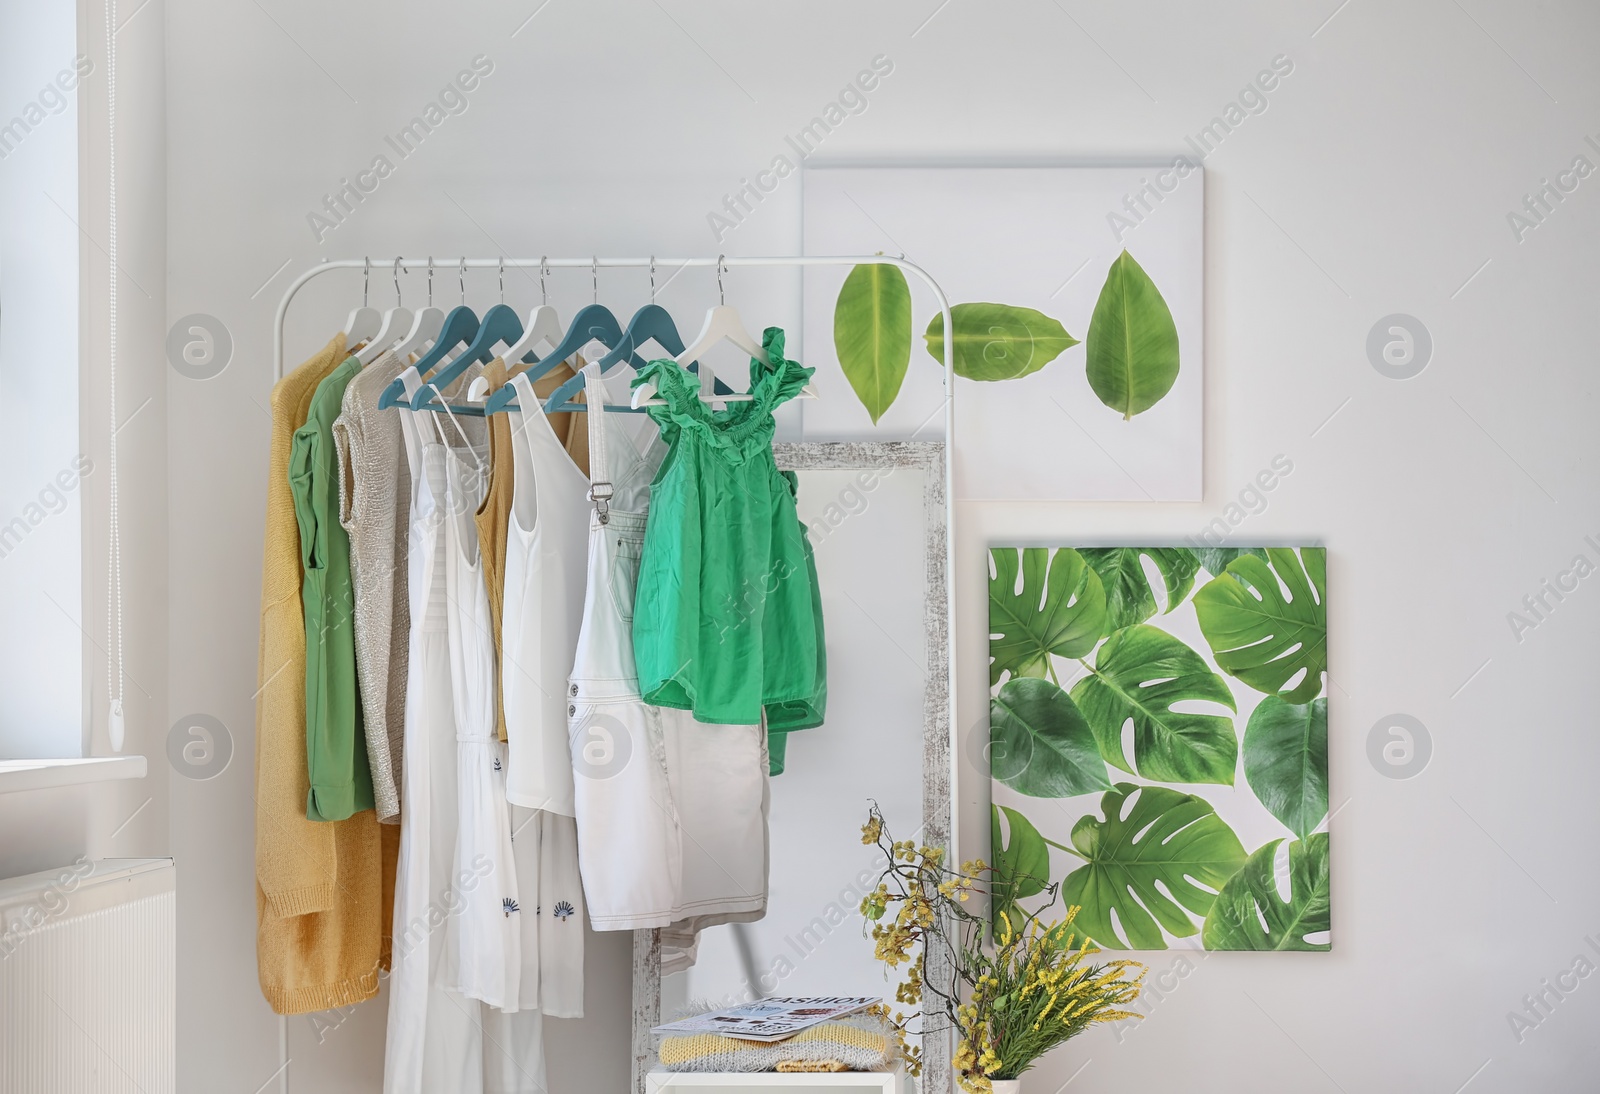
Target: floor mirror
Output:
[(879, 526)]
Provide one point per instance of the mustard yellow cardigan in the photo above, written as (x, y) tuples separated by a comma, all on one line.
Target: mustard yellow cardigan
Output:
[(324, 890)]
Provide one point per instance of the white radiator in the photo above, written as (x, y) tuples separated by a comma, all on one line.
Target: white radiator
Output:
[(88, 979)]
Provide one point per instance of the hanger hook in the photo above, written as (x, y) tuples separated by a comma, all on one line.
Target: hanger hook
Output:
[(594, 276), (502, 259), (544, 296), (398, 299), (430, 281), (721, 295), (462, 276), (366, 277), (652, 279)]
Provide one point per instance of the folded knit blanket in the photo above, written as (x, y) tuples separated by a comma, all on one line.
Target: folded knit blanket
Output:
[(860, 1042)]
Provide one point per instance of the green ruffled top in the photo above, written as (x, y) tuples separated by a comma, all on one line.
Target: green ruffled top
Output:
[(727, 617)]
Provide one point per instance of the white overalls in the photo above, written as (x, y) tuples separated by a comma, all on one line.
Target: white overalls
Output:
[(672, 813)]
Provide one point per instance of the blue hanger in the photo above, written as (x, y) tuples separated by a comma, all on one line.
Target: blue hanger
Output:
[(649, 323), (500, 325), (594, 323), (460, 325)]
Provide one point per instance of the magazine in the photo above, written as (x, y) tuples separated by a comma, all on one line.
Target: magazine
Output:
[(770, 1019)]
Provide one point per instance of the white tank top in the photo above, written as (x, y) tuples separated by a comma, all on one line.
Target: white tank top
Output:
[(546, 561)]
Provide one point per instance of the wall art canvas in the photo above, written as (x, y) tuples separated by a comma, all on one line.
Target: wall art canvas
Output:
[(1077, 298), (1158, 729)]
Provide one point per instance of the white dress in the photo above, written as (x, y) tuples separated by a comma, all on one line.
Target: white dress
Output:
[(433, 1042), (486, 936), (672, 813), (541, 616), (437, 1039)]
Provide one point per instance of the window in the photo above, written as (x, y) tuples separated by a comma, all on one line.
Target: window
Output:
[(42, 695)]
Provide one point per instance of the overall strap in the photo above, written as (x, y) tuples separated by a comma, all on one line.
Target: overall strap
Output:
[(600, 487)]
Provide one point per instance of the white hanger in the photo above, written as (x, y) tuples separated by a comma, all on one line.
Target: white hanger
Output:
[(425, 324), (544, 327), (396, 321), (364, 321), (723, 323)]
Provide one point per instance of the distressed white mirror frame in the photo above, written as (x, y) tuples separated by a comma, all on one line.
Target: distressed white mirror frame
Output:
[(938, 776)]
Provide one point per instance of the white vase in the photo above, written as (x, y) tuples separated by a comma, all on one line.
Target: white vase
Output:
[(1006, 1086)]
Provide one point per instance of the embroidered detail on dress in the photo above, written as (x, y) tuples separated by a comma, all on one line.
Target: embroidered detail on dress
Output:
[(509, 906), (563, 910)]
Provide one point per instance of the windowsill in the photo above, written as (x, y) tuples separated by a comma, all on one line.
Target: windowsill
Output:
[(41, 774)]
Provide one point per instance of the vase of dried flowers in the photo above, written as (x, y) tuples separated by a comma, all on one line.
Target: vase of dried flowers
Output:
[(1015, 986)]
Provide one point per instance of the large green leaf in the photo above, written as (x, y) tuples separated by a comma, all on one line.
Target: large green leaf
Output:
[(1263, 637), (872, 333), (1141, 673), (1129, 598), (1059, 609), (1169, 853), (1132, 354), (1022, 867), (1286, 761), (998, 341), (1214, 560), (1039, 743), (1250, 898)]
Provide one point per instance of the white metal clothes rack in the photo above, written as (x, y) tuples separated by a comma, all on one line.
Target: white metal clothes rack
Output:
[(940, 830)]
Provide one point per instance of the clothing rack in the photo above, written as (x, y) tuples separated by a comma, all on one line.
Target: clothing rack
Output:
[(938, 1058)]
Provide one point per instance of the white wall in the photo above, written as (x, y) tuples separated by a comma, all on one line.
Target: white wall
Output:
[(122, 819), (1377, 182)]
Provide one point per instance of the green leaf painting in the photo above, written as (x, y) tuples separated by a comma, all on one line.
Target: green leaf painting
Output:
[(1057, 607), (1129, 598), (1178, 782), (1140, 674), (1130, 356), (1132, 352), (1286, 761), (1022, 865), (1269, 628), (1039, 743), (1152, 864), (998, 341), (872, 333), (1249, 913)]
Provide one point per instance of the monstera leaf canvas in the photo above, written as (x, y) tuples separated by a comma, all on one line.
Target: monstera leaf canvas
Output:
[(1158, 742)]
